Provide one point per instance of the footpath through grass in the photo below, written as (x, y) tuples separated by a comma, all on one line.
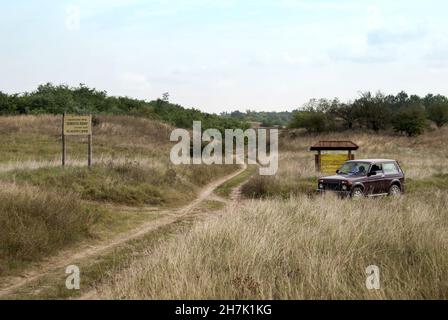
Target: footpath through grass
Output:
[(226, 188)]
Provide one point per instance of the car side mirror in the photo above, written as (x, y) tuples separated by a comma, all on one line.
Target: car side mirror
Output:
[(338, 171)]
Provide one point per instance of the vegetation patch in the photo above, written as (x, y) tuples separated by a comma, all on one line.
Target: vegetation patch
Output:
[(226, 188), (434, 183), (34, 223), (127, 183), (265, 187), (316, 248)]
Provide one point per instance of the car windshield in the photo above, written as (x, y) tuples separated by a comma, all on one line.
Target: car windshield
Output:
[(354, 168)]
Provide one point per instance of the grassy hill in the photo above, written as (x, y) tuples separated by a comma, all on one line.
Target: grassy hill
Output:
[(45, 207)]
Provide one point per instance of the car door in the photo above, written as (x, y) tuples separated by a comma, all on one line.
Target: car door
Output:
[(391, 173), (376, 181)]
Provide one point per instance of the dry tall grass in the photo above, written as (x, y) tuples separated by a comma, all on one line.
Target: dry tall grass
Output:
[(296, 246), (43, 205), (420, 157), (35, 222), (301, 248)]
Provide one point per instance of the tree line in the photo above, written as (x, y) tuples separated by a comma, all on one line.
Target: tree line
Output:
[(58, 99), (265, 118), (405, 114)]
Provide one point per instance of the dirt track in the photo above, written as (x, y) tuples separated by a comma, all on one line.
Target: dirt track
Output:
[(61, 260)]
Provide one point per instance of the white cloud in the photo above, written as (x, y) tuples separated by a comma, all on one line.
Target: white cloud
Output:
[(374, 17), (72, 18), (135, 83)]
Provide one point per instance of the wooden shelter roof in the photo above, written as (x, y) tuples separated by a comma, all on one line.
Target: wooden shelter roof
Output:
[(334, 145)]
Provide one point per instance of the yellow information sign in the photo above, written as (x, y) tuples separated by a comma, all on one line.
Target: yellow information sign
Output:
[(77, 125), (331, 162)]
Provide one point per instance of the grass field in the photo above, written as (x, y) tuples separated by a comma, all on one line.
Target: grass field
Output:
[(290, 244), (301, 248), (46, 207), (279, 241)]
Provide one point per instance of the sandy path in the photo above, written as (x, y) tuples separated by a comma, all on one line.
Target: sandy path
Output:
[(65, 258)]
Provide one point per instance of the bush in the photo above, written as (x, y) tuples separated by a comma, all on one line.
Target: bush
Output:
[(410, 120), (127, 183), (34, 223), (312, 121), (438, 113), (372, 111), (259, 187)]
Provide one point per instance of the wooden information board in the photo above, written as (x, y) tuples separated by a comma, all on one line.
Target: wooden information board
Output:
[(77, 125), (332, 162)]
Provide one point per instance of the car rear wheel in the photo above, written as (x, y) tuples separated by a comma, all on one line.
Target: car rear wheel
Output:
[(394, 191), (357, 193)]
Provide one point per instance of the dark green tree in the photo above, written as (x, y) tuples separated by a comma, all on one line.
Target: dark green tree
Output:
[(311, 120), (410, 120), (372, 111), (7, 105), (345, 111), (437, 109)]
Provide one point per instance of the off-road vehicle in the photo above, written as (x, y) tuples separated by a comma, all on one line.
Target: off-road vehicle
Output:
[(370, 177)]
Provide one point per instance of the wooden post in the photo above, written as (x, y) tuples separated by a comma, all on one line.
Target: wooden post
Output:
[(63, 141), (89, 160), (351, 156), (318, 161)]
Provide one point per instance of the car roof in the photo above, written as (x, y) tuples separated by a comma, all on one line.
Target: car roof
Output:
[(372, 160)]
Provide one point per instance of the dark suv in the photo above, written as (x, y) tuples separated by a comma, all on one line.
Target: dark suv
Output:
[(359, 178)]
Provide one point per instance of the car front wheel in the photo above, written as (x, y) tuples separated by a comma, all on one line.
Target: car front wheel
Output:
[(394, 191), (357, 193)]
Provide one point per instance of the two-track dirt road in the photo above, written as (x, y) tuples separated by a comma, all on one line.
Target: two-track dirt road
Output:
[(58, 262)]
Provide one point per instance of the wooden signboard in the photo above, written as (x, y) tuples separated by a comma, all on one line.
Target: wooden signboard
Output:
[(329, 156), (331, 162), (76, 125)]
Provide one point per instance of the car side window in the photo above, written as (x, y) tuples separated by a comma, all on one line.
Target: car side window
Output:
[(390, 168), (377, 168)]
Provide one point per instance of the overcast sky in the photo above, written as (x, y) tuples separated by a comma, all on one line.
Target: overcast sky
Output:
[(227, 55)]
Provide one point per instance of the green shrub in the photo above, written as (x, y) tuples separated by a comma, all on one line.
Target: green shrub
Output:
[(267, 187), (34, 223), (438, 113), (127, 183), (312, 121), (410, 120)]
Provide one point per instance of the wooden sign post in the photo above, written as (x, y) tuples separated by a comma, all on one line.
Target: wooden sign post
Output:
[(330, 162), (74, 125)]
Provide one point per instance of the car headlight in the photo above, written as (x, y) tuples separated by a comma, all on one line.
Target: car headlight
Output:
[(344, 187), (321, 186)]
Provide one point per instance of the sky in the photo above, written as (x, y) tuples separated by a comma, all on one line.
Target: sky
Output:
[(226, 55)]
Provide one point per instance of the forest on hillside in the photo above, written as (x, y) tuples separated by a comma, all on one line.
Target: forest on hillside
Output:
[(58, 99), (403, 113)]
